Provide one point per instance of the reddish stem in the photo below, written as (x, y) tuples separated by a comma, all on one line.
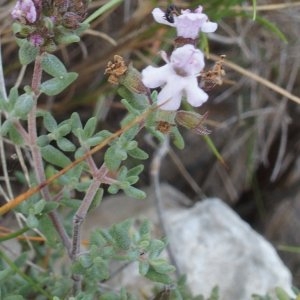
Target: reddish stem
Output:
[(36, 154)]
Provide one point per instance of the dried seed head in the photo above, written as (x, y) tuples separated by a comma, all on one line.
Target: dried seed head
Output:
[(115, 69), (214, 76), (164, 127), (128, 76)]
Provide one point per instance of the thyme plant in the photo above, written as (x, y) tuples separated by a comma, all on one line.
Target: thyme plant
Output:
[(62, 155)]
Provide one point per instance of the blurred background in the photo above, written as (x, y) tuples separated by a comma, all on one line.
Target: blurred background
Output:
[(255, 129)]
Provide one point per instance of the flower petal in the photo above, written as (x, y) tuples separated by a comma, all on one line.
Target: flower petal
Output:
[(159, 17), (209, 27), (187, 60), (169, 104), (194, 95), (170, 96), (154, 77)]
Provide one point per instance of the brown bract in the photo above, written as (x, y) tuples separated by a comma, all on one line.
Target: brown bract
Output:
[(115, 69)]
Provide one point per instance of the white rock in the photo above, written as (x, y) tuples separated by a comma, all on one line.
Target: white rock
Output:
[(214, 246)]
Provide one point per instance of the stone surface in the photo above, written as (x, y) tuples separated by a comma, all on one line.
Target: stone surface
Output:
[(211, 243), (214, 246)]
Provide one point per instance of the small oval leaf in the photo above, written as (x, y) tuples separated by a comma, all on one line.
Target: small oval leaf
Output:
[(56, 85), (54, 156), (23, 106), (53, 66), (27, 52)]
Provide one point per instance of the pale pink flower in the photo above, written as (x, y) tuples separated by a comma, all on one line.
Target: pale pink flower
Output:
[(188, 24), (178, 78), (25, 9)]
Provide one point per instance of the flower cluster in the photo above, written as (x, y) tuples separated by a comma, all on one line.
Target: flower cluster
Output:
[(178, 78), (46, 24), (25, 11)]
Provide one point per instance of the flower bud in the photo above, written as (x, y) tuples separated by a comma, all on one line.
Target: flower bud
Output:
[(71, 20), (25, 11), (192, 120)]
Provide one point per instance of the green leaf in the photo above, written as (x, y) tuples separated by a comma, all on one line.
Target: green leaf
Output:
[(111, 159), (63, 130), (155, 248), (53, 66), (132, 179), (13, 95), (93, 141), (281, 294), (32, 221), (90, 127), (102, 268), (132, 101), (131, 145), (4, 274), (15, 136), (135, 171), (23, 106), (161, 266), (85, 261), (75, 121), (156, 133), (107, 236), (113, 189), (120, 234), (50, 206), (177, 138), (158, 277), (56, 85), (43, 140), (49, 122), (54, 156), (131, 133), (46, 227), (144, 229), (135, 193), (143, 267), (27, 52), (83, 186), (65, 145), (97, 239), (71, 203), (39, 206), (6, 126), (66, 38), (138, 153), (122, 173)]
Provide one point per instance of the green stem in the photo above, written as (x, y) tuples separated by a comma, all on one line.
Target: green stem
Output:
[(14, 234), (102, 10)]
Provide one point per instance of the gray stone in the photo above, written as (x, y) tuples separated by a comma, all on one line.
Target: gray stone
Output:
[(214, 246)]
